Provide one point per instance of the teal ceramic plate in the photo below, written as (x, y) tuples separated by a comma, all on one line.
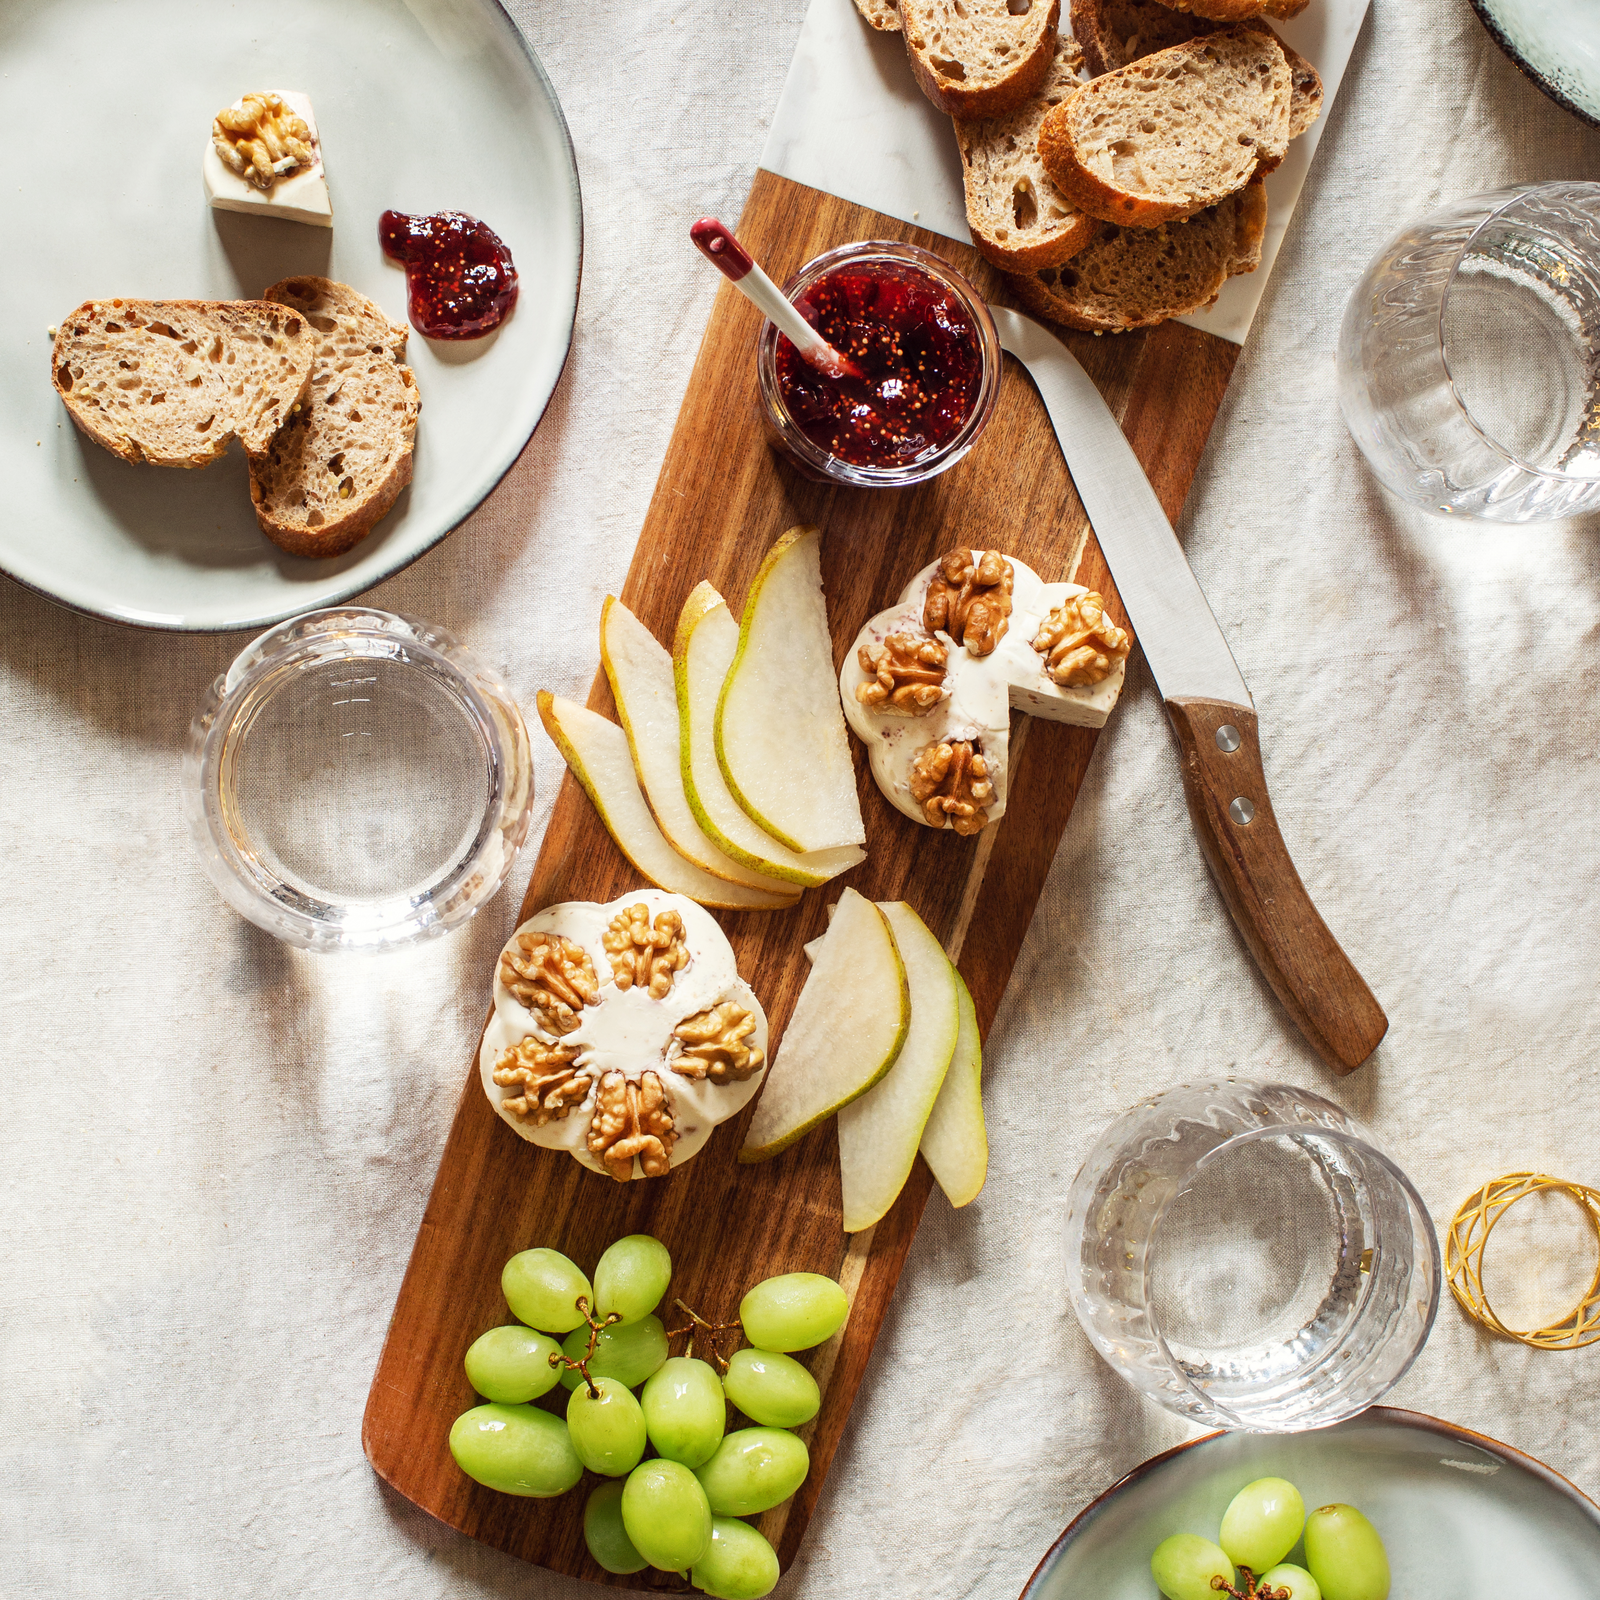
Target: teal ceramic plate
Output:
[(1463, 1518), (1556, 42)]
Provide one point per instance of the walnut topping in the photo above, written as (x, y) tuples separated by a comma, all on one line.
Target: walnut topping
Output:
[(1079, 645), (951, 783), (551, 1086), (552, 976), (718, 1044), (643, 955), (970, 600), (262, 140), (908, 674), (632, 1119)]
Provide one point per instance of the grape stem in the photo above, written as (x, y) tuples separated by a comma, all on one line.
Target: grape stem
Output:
[(713, 1331), (581, 1365), (1250, 1590)]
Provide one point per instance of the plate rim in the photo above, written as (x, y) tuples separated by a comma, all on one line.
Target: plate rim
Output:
[(1545, 84), (1392, 1414), (360, 586)]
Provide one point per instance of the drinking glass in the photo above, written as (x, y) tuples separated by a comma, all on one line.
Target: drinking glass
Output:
[(1242, 1254), (1469, 355)]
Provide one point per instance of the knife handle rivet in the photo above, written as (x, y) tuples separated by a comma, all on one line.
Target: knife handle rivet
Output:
[(1242, 811), (1228, 740)]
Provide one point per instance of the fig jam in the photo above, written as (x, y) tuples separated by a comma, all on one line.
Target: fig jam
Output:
[(460, 282), (918, 353)]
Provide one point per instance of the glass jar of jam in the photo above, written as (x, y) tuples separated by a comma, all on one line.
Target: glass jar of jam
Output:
[(927, 359)]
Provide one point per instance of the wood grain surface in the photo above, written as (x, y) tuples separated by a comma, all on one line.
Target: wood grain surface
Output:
[(722, 498)]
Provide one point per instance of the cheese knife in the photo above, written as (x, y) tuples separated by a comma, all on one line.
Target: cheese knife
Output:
[(1209, 707)]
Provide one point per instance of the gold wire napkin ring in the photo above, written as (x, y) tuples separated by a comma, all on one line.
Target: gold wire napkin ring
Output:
[(1469, 1234)]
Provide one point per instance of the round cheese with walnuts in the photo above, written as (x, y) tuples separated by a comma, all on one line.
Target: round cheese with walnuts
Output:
[(622, 1033), (930, 684)]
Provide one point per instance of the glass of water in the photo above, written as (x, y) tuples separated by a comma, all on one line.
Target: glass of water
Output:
[(357, 780), (1242, 1254), (1470, 352)]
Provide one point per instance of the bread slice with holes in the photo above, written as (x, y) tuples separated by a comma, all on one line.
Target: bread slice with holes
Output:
[(341, 461), (1019, 219), (1174, 132), (170, 382), (1137, 277), (979, 58), (1115, 32), (884, 15)]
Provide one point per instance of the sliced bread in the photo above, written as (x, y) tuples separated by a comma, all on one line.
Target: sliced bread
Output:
[(1173, 132), (344, 457), (172, 381), (979, 58), (1019, 219), (1115, 32), (884, 15), (1226, 11), (1137, 277)]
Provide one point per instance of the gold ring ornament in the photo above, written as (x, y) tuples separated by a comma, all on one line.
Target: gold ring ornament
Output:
[(1469, 1235)]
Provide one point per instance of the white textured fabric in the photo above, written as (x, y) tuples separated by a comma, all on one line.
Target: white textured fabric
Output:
[(215, 1151)]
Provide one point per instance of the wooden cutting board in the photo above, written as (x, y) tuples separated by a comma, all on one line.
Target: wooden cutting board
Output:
[(721, 500)]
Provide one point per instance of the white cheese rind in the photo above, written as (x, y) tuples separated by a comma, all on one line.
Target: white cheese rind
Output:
[(301, 198)]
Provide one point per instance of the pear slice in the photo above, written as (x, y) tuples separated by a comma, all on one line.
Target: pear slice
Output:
[(640, 670), (954, 1143), (847, 1029), (781, 742), (880, 1132), (597, 752), (706, 643)]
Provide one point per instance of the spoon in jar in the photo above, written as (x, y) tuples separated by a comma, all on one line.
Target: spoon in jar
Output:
[(718, 245)]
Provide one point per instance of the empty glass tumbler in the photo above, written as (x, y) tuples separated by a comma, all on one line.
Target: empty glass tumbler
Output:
[(1469, 353), (1243, 1255)]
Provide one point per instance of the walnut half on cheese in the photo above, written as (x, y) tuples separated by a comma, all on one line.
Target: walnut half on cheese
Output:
[(273, 161)]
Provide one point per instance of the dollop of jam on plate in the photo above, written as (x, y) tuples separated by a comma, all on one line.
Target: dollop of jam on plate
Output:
[(460, 280), (918, 353)]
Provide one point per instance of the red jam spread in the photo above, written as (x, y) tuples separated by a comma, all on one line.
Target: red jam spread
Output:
[(460, 283), (917, 350)]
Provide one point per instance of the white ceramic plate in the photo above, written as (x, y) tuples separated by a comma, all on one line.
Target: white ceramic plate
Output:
[(1462, 1518), (1556, 42), (105, 110)]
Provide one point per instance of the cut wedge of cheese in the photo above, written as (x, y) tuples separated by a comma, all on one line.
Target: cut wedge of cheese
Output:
[(597, 752), (954, 1143), (847, 1030)]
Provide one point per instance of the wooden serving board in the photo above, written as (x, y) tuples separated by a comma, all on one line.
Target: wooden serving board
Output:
[(721, 500)]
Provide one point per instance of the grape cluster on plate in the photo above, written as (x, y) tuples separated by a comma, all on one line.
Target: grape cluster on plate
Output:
[(1344, 1557), (680, 1509)]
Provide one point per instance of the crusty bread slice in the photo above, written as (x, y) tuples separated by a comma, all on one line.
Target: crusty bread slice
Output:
[(1137, 277), (1226, 11), (884, 15), (1019, 219), (344, 457), (1115, 32), (172, 381), (979, 58), (1173, 132)]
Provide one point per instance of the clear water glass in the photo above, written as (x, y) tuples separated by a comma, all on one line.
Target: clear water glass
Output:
[(1470, 352), (1244, 1255), (358, 780)]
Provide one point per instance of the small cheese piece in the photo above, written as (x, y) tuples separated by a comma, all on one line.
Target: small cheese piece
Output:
[(301, 197)]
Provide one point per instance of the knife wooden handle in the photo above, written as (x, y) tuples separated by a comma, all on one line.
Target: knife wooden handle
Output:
[(1298, 956)]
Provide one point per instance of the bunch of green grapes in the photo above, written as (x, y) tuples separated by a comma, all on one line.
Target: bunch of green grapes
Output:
[(653, 1425), (1344, 1557)]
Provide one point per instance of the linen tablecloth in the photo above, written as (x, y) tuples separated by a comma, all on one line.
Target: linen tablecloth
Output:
[(215, 1151)]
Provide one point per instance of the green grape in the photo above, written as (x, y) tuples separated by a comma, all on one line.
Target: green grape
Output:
[(607, 1429), (685, 1411), (1345, 1555), (754, 1470), (627, 1351), (665, 1514), (793, 1312), (738, 1564), (604, 1534), (1300, 1584), (512, 1364), (632, 1277), (773, 1390), (516, 1450), (1262, 1523), (542, 1288), (1184, 1565)]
